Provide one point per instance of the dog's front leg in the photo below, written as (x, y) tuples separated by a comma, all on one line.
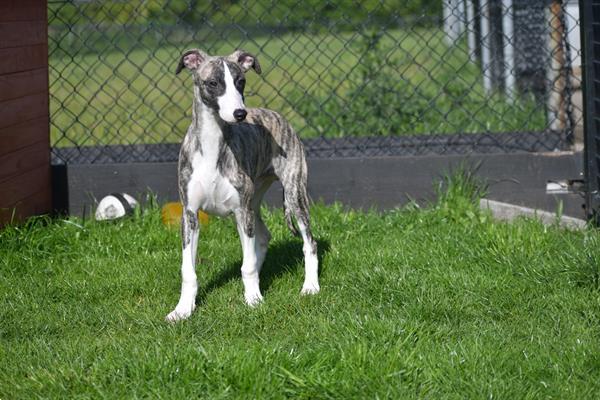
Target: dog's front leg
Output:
[(189, 285), (246, 225)]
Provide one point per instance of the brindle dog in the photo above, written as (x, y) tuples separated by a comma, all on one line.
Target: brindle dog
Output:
[(229, 158)]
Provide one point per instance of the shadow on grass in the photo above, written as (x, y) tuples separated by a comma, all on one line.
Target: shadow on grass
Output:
[(282, 257)]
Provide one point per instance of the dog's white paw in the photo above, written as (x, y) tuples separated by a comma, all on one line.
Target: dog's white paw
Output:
[(310, 288), (179, 313), (253, 299)]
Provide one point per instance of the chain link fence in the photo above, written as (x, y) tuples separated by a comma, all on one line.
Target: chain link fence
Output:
[(370, 78)]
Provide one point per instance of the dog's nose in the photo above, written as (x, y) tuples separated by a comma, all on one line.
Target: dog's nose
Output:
[(239, 115)]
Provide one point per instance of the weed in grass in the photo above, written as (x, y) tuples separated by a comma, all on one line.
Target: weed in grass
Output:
[(458, 195)]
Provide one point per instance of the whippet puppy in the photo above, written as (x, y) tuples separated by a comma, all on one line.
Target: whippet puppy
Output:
[(229, 157)]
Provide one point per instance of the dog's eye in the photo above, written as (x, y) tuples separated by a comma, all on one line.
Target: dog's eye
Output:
[(212, 83)]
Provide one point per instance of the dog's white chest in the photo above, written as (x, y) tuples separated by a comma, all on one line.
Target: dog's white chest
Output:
[(208, 189)]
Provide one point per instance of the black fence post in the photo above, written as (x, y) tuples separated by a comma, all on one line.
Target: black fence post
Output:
[(590, 36)]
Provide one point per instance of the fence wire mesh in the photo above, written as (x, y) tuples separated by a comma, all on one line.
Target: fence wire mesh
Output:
[(378, 77)]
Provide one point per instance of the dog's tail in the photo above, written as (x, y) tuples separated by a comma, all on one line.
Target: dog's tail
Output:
[(289, 220)]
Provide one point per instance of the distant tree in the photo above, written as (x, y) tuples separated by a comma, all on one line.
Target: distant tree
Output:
[(290, 13)]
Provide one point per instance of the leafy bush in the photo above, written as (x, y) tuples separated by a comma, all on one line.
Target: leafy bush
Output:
[(382, 98)]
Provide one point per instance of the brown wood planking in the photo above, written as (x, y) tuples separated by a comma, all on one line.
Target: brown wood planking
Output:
[(38, 203), (21, 84), (24, 185), (22, 33), (25, 108), (23, 160), (25, 134), (23, 10), (24, 116), (18, 59)]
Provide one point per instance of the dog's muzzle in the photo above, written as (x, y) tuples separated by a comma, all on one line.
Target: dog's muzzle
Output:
[(240, 115)]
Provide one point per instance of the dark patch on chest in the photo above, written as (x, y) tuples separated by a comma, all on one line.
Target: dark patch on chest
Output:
[(250, 148)]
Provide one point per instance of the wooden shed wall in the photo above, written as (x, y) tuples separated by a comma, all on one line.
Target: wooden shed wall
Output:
[(25, 180)]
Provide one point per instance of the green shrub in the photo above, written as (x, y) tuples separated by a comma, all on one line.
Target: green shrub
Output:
[(383, 98)]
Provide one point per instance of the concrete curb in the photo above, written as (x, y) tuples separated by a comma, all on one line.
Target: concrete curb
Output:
[(508, 212)]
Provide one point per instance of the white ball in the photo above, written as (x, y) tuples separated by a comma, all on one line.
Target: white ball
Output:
[(115, 205)]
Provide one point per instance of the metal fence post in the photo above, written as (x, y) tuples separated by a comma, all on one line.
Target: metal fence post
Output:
[(486, 45), (471, 35), (509, 49), (589, 12), (454, 20)]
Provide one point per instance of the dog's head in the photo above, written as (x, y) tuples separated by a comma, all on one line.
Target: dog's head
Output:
[(220, 80)]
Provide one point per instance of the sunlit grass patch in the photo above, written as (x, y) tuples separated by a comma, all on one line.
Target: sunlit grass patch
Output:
[(431, 302)]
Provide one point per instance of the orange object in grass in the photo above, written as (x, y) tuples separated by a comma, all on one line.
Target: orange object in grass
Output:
[(171, 214)]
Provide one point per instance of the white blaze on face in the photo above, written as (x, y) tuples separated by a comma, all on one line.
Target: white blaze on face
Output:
[(231, 100)]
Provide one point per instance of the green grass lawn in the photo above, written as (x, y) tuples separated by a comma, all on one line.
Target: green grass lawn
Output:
[(123, 94), (440, 302)]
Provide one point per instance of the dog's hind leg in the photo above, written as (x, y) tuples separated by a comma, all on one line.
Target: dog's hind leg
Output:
[(296, 201), (189, 286)]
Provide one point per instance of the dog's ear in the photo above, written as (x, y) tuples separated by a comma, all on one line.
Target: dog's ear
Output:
[(245, 60), (191, 60)]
